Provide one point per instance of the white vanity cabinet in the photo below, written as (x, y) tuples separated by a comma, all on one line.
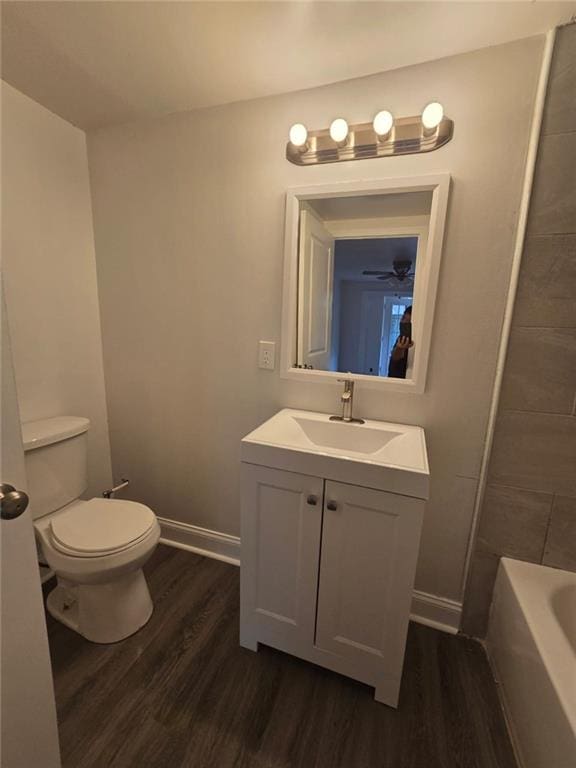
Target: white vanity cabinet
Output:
[(281, 530), (327, 572)]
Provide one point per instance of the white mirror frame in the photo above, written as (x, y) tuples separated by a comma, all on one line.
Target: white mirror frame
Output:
[(427, 272)]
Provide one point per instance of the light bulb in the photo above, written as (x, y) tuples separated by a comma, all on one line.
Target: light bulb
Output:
[(298, 135), (432, 115), (339, 130), (383, 123)]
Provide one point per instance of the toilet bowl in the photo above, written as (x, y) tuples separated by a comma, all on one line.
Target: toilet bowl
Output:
[(97, 547)]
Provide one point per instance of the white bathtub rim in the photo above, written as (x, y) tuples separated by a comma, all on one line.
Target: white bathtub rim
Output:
[(553, 646)]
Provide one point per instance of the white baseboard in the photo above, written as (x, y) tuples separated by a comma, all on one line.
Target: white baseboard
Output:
[(202, 541), (438, 612)]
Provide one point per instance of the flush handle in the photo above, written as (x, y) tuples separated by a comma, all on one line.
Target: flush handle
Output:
[(12, 502), (109, 494), (312, 500), (332, 506)]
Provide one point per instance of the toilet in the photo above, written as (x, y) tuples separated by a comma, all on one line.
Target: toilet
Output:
[(97, 547)]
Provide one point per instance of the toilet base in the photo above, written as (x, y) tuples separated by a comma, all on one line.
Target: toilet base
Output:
[(103, 613)]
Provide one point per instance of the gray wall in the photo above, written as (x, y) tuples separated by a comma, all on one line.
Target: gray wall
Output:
[(529, 511), (189, 225)]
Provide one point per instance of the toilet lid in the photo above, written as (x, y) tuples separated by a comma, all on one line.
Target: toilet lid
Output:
[(101, 526)]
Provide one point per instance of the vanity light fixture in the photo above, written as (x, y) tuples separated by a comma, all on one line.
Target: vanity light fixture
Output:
[(382, 124), (339, 131), (299, 136), (432, 116), (385, 136)]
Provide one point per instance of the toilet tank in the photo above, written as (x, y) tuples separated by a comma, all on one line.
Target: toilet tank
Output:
[(55, 452)]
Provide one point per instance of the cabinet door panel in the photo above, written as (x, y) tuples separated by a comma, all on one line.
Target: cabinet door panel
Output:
[(369, 551), (280, 553)]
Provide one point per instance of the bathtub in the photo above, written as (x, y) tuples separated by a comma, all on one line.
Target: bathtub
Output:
[(531, 644)]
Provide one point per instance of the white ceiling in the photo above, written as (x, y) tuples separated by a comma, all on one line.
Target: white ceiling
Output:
[(98, 63)]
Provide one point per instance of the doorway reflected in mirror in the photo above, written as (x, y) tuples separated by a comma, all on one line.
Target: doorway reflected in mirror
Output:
[(358, 263), (373, 288)]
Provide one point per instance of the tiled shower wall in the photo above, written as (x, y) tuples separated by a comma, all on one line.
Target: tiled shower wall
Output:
[(529, 510)]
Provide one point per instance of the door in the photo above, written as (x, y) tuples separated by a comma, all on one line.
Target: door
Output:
[(29, 735), (370, 545), (371, 316), (315, 289), (281, 525)]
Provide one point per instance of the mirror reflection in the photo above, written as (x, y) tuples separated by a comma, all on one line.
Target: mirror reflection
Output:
[(358, 265)]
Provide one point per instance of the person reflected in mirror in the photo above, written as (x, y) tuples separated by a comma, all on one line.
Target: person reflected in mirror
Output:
[(399, 357)]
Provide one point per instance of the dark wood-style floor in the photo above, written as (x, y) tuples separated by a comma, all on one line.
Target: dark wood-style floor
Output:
[(182, 692)]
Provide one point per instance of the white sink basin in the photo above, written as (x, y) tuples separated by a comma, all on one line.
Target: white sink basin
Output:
[(345, 438), (375, 454)]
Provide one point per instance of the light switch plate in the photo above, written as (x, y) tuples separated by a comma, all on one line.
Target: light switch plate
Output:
[(267, 355)]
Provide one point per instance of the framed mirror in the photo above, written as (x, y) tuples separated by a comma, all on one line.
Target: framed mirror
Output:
[(362, 261)]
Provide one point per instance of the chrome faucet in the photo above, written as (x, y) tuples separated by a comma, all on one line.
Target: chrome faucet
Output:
[(347, 399)]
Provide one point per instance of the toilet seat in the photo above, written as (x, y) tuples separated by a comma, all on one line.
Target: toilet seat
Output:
[(100, 527)]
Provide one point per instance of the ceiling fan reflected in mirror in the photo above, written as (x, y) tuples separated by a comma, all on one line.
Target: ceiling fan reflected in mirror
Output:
[(401, 271)]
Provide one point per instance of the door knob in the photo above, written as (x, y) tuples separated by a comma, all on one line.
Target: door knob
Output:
[(12, 502), (312, 500), (332, 506)]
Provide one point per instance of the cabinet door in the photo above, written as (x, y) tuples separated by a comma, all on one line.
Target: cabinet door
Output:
[(370, 545), (281, 524)]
